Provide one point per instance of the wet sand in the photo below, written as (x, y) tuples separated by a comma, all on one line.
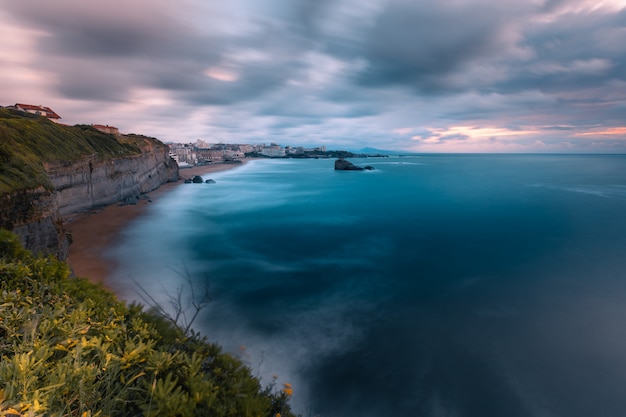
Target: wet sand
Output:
[(94, 231)]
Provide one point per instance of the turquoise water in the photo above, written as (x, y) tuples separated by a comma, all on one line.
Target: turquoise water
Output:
[(436, 285)]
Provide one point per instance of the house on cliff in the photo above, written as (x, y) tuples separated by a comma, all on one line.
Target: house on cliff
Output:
[(40, 110), (107, 129)]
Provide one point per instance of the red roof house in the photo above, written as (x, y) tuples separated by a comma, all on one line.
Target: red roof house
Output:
[(40, 110), (107, 129)]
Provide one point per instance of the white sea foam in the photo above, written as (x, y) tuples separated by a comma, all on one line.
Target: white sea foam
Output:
[(400, 163), (316, 331), (604, 191)]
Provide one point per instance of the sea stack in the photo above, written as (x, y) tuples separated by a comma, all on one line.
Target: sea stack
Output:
[(344, 165)]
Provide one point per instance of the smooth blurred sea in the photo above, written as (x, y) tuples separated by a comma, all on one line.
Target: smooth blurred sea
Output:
[(436, 285)]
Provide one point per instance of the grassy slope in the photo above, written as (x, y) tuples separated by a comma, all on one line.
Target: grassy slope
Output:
[(69, 348), (28, 141)]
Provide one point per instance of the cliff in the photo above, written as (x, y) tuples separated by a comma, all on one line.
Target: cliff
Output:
[(34, 217), (48, 171), (91, 182)]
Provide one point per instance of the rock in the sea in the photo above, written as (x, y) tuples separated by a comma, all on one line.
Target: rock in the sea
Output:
[(188, 181), (210, 181), (197, 179), (344, 165)]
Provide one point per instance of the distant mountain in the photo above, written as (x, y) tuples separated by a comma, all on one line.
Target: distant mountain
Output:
[(375, 151)]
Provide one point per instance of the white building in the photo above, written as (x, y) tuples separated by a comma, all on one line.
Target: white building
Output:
[(39, 110), (273, 151)]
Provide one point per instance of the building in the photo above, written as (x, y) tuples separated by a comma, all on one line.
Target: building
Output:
[(40, 110), (201, 144), (230, 154), (289, 150), (245, 148), (183, 154), (273, 151), (107, 129)]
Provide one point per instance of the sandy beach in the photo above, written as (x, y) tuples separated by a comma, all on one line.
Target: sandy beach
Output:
[(93, 231)]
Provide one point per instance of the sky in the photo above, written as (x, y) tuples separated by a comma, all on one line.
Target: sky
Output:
[(413, 75)]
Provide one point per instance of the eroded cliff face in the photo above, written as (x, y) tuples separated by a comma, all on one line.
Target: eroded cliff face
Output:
[(33, 215), (36, 215), (92, 182)]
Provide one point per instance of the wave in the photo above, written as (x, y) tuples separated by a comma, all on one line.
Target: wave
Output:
[(400, 163), (604, 191)]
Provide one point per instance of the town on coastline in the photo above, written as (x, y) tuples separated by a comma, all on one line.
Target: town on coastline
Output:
[(201, 152)]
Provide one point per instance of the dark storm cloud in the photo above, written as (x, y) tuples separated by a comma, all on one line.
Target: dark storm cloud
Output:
[(277, 62), (91, 30), (412, 44), (256, 79), (289, 109), (100, 52), (365, 68), (438, 48), (576, 51), (415, 45), (307, 15)]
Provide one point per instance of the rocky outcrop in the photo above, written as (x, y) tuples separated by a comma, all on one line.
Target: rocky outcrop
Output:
[(345, 165), (92, 182), (33, 216)]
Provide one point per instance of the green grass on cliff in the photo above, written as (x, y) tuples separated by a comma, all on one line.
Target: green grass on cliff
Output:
[(70, 348), (28, 141)]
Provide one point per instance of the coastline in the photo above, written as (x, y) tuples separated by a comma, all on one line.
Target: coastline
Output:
[(95, 230)]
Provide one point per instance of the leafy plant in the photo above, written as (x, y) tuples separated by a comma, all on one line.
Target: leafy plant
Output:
[(68, 348)]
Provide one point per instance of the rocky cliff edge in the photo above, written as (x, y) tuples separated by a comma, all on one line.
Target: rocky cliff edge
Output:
[(49, 171)]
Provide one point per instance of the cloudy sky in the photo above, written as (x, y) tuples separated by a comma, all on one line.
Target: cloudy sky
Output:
[(420, 75)]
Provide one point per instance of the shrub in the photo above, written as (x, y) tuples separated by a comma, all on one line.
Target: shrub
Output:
[(68, 347)]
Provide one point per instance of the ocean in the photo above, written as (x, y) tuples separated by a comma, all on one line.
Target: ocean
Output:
[(435, 285)]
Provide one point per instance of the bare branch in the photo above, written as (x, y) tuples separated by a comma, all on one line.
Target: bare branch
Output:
[(179, 316)]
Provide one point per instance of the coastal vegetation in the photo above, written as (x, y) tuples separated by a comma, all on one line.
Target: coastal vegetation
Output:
[(68, 347), (28, 142)]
